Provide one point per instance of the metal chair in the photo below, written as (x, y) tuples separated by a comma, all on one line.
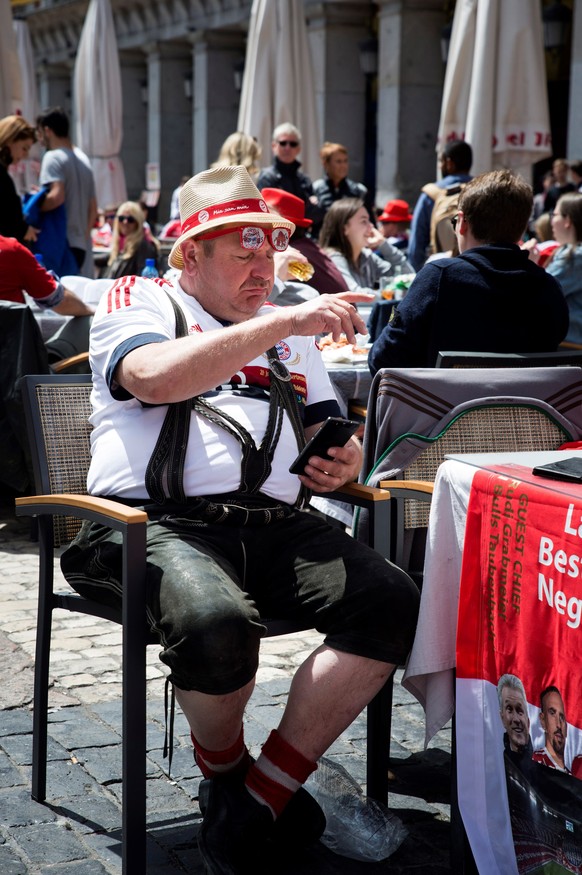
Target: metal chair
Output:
[(57, 410), (458, 359), (417, 416)]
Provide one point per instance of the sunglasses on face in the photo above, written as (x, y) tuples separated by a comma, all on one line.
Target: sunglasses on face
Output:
[(454, 220), (292, 143), (253, 238), (128, 219)]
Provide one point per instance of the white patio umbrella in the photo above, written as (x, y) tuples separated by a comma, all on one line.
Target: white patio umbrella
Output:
[(10, 81), (278, 82), (29, 96), (495, 94), (98, 103)]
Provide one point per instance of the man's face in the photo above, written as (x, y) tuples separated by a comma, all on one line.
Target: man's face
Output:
[(232, 283), (43, 135), (560, 169), (286, 147), (553, 720), (515, 718)]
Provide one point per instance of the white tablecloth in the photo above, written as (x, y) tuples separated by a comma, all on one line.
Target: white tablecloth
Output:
[(429, 673)]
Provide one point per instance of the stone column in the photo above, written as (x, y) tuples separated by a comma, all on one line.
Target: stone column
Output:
[(55, 87), (134, 148), (335, 32), (216, 99), (410, 86), (168, 118)]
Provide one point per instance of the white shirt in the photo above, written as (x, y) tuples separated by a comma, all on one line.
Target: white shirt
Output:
[(137, 311)]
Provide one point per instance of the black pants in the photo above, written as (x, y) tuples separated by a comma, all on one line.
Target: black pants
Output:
[(209, 585)]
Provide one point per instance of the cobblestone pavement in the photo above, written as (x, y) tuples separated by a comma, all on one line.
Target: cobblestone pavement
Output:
[(78, 829)]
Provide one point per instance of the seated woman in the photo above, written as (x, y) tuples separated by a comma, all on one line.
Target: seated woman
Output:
[(363, 257), (566, 263), (131, 243)]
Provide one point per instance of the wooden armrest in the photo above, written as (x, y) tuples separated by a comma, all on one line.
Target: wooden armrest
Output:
[(425, 486), (31, 505), (359, 490), (567, 344), (357, 409), (64, 364)]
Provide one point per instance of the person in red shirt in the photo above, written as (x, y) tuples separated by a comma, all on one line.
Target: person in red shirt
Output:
[(20, 272)]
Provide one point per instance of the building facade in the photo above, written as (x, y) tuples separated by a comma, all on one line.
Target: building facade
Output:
[(378, 69)]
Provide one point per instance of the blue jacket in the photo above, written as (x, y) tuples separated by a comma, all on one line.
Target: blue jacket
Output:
[(566, 266), (52, 241)]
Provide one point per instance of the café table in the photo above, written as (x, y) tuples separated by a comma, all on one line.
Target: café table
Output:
[(501, 603), (351, 382), (430, 669)]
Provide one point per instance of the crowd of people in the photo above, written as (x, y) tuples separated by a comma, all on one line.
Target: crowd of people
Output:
[(204, 392)]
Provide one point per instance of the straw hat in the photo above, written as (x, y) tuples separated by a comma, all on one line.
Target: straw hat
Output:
[(395, 211), (221, 196), (287, 205)]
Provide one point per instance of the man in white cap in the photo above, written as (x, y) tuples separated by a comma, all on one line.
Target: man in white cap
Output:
[(202, 395)]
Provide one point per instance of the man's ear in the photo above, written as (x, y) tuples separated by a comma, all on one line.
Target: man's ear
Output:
[(190, 255), (462, 225)]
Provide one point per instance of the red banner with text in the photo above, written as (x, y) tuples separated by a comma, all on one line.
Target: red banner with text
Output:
[(519, 702)]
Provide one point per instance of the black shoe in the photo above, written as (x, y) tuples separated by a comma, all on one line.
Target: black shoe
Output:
[(301, 824), (235, 835)]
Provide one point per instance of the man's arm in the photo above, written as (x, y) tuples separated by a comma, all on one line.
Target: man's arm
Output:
[(420, 231), (71, 305), (55, 196), (162, 373)]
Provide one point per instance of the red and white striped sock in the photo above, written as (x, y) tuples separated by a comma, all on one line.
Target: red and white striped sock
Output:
[(220, 762), (278, 773)]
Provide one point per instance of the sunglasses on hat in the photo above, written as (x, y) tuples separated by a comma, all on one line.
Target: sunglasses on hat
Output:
[(252, 237)]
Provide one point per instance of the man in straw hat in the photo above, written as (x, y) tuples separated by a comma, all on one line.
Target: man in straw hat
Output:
[(202, 396)]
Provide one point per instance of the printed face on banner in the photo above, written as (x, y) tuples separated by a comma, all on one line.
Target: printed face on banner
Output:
[(515, 718)]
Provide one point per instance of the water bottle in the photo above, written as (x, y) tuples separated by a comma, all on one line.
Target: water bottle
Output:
[(356, 827), (149, 271)]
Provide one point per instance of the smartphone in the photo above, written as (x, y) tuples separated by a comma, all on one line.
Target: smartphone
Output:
[(569, 469), (334, 432)]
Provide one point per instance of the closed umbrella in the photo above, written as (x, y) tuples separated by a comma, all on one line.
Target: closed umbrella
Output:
[(29, 96), (98, 103), (278, 82), (10, 84), (495, 95)]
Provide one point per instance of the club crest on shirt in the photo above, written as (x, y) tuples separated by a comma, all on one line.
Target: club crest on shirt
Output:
[(283, 351)]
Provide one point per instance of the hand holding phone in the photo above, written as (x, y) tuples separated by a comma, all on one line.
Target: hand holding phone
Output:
[(334, 432)]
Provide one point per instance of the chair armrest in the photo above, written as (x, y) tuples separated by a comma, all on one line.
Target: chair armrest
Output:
[(360, 493), (419, 489), (101, 510), (65, 364)]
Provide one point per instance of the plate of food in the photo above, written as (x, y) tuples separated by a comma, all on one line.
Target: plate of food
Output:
[(341, 351)]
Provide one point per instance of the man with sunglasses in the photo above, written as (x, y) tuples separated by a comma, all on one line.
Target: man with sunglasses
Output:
[(203, 394), (490, 298), (285, 171)]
